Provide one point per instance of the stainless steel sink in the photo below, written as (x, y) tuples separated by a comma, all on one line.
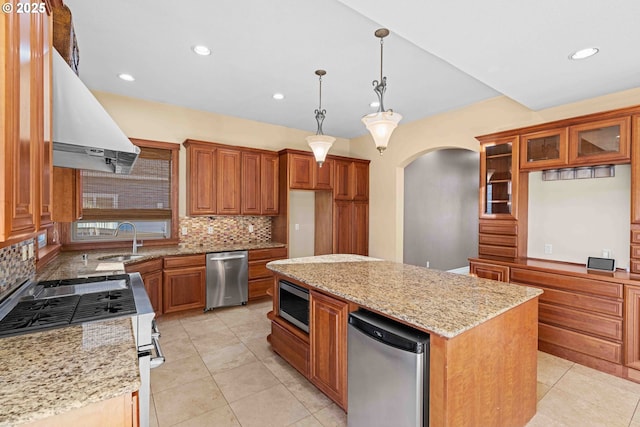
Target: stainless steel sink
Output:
[(120, 258)]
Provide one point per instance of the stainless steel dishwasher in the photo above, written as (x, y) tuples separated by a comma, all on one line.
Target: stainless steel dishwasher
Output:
[(388, 373), (227, 279)]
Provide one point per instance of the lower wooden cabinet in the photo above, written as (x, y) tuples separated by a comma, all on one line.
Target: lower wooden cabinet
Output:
[(292, 347), (328, 346), (632, 326), (151, 272), (184, 288), (351, 227), (260, 277), (489, 271)]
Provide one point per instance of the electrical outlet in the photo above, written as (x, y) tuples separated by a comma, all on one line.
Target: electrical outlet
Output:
[(606, 253), (548, 248), (24, 252), (297, 227), (250, 228), (210, 230), (184, 231), (427, 265), (31, 250)]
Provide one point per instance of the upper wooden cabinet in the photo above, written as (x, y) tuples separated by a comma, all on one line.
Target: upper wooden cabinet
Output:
[(301, 167), (544, 149), (351, 180), (599, 142), (227, 180), (25, 97), (323, 176), (201, 178), (498, 177), (68, 185)]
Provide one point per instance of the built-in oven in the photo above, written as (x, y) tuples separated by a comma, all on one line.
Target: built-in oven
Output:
[(293, 304)]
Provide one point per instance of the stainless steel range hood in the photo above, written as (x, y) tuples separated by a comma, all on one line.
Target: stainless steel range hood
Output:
[(84, 135)]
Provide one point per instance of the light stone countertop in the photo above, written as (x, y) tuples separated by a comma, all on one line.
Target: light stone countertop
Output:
[(70, 264), (50, 372), (435, 301)]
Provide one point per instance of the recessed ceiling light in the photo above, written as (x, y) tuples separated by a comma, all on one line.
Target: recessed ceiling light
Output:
[(278, 96), (374, 104), (202, 50), (584, 53), (126, 77)]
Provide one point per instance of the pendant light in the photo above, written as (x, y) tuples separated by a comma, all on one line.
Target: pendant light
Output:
[(320, 143), (382, 123)]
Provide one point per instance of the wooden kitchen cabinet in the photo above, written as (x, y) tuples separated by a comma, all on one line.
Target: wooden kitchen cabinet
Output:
[(269, 183), (25, 99), (632, 327), (151, 273), (544, 149), (360, 181), (251, 190), (301, 168), (68, 185), (342, 184), (328, 346), (184, 283), (323, 176), (201, 178), (489, 271), (228, 176), (351, 227), (260, 277), (600, 142)]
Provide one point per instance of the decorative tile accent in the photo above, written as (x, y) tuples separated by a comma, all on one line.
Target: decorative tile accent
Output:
[(225, 229), (13, 270)]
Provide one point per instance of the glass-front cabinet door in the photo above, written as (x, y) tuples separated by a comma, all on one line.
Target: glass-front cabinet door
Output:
[(545, 149), (498, 169), (600, 142)]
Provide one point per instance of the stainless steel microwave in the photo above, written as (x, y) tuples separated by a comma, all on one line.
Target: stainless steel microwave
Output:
[(293, 304)]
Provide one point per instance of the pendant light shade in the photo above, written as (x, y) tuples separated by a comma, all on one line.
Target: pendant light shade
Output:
[(320, 144), (382, 123)]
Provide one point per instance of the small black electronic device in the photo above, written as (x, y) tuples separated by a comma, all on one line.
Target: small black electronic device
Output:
[(595, 264)]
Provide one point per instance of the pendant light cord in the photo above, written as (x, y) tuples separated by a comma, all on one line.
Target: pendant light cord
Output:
[(381, 57)]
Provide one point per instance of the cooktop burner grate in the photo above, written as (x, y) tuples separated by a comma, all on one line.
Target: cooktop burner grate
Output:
[(34, 315)]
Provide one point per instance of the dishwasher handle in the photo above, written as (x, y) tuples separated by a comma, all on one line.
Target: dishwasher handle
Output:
[(226, 258)]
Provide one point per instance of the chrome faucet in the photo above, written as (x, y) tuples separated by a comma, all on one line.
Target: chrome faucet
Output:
[(136, 245)]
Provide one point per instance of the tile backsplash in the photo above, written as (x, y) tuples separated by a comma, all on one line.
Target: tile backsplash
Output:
[(13, 268), (224, 229)]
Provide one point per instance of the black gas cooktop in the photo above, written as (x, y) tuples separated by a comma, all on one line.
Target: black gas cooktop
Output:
[(45, 313)]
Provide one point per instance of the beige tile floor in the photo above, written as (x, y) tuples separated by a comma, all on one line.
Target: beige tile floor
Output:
[(220, 371)]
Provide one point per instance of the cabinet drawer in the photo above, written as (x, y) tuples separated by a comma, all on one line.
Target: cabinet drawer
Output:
[(255, 254), (577, 284), (492, 227), (635, 251), (490, 271), (184, 261), (604, 327), (635, 266), (580, 301), (501, 251), (259, 288), (581, 343), (290, 348), (497, 240), (258, 269), (635, 236)]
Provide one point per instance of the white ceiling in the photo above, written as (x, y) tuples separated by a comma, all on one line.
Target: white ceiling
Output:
[(440, 55)]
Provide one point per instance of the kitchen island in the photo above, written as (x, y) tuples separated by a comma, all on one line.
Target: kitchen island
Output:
[(483, 348)]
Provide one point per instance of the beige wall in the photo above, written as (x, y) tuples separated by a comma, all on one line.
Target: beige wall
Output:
[(170, 123), (453, 129), (162, 122)]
